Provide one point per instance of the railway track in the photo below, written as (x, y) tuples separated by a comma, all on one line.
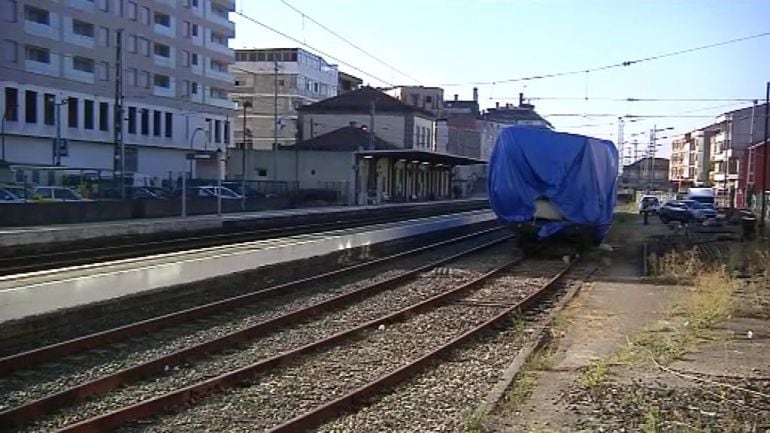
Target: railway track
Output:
[(343, 355), (64, 257), (31, 393)]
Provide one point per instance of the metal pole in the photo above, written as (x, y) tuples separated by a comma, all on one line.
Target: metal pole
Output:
[(764, 161), (243, 162), (219, 188), (57, 143), (120, 148), (184, 194), (275, 124), (2, 134)]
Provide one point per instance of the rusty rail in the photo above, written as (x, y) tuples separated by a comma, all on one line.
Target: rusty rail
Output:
[(157, 405), (76, 345), (38, 408), (332, 409)]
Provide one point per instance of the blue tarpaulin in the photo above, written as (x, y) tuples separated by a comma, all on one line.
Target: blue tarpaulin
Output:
[(577, 174)]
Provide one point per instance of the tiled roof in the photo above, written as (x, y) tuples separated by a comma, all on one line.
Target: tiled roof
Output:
[(359, 101), (347, 139)]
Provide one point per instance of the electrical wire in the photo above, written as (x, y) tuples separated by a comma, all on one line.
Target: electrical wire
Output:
[(372, 56), (310, 47), (557, 98), (610, 66)]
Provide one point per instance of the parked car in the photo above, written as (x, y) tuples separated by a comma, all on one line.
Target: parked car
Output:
[(685, 211), (58, 193), (16, 194), (250, 192), (209, 192), (649, 203)]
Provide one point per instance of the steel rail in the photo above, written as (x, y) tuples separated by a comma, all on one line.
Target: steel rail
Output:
[(37, 408), (49, 260), (69, 347), (358, 396), (160, 404)]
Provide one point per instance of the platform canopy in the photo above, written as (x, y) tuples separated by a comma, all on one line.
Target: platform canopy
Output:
[(421, 156)]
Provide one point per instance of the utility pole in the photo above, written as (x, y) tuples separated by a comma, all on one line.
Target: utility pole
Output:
[(246, 105), (372, 108), (275, 123), (120, 148), (621, 144), (57, 144), (764, 161)]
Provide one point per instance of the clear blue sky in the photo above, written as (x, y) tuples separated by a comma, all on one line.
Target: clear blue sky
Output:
[(458, 41)]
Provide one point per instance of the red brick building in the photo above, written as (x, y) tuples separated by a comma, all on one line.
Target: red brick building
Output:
[(753, 178)]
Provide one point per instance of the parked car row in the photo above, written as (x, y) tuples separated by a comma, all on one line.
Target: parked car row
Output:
[(228, 191)]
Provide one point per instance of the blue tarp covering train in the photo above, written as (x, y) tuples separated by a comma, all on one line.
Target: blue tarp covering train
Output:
[(574, 175)]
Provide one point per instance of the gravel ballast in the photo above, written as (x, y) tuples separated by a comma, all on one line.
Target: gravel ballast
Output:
[(428, 285), (317, 378)]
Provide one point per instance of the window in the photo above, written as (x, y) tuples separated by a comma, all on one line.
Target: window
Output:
[(195, 30), (217, 93), (9, 10), (227, 133), (195, 3), (156, 123), (162, 50), (72, 112), (37, 54), (49, 105), (88, 115), (104, 114), (218, 66), (194, 59), (144, 79), (145, 121), (186, 32), (30, 106), (185, 58), (162, 19), (169, 124), (104, 5), (83, 64), (132, 120), (144, 15), (162, 81), (10, 51), (144, 46), (281, 83), (218, 38), (131, 76), (37, 15), (132, 10), (217, 131), (194, 88), (11, 104), (104, 37), (83, 28)]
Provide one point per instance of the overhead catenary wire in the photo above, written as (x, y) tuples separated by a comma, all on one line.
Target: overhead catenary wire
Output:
[(310, 47), (347, 41), (622, 64)]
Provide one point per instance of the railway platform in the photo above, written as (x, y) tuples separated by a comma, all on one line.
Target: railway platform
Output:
[(41, 292), (16, 237)]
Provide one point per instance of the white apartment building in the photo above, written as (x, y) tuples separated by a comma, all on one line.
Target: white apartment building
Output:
[(58, 69), (301, 78)]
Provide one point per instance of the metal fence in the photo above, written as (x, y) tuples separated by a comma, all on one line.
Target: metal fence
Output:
[(96, 194)]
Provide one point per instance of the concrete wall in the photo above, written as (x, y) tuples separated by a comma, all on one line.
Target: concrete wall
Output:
[(311, 169), (389, 127)]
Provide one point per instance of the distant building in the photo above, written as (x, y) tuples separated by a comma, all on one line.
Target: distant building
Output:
[(690, 157), (753, 180), (427, 98), (458, 132), (734, 132), (646, 174), (495, 119), (301, 78), (348, 83)]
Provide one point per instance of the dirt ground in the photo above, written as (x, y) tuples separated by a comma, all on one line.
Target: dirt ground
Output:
[(615, 365)]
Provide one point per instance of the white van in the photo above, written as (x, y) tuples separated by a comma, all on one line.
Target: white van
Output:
[(701, 195)]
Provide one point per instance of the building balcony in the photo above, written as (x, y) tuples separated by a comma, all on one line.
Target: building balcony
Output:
[(229, 4), (718, 177), (721, 156), (42, 30)]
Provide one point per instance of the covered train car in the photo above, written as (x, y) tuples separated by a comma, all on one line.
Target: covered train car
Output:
[(551, 185)]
